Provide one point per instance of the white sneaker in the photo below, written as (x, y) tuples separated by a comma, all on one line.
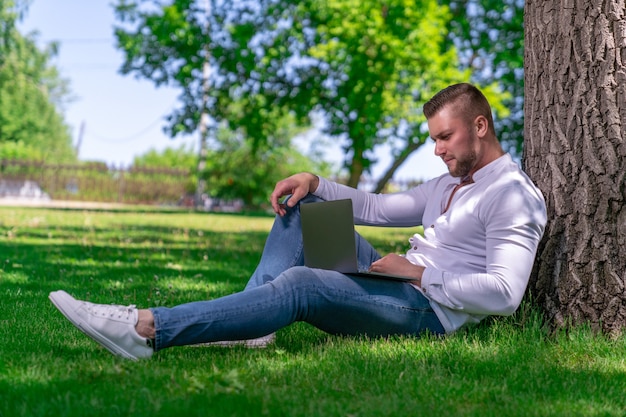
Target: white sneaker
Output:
[(258, 343), (112, 326)]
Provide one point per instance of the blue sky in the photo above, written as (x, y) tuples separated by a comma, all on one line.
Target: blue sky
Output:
[(124, 116)]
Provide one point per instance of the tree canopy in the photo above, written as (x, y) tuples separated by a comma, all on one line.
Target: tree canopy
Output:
[(366, 67), (363, 66), (31, 94)]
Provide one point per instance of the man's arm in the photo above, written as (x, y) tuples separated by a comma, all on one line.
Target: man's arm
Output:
[(402, 209), (298, 186)]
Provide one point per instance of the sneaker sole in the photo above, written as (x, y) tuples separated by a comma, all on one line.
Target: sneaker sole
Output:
[(60, 300)]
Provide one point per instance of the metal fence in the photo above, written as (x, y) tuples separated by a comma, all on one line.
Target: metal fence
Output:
[(93, 182), (109, 184)]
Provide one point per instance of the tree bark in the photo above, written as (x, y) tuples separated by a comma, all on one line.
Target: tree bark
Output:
[(575, 151)]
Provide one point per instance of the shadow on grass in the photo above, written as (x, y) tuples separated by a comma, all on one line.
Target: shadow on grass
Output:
[(326, 376), (47, 368), (453, 378), (106, 260)]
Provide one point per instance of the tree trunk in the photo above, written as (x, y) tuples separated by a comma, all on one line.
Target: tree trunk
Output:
[(410, 147), (355, 170), (575, 151), (357, 166)]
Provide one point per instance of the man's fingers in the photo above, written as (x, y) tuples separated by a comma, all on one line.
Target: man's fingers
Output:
[(296, 196), (281, 189), (298, 186)]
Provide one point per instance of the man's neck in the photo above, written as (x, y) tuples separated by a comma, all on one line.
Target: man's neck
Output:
[(492, 153)]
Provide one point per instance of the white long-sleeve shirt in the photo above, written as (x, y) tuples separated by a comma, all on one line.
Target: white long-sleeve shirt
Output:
[(478, 255)]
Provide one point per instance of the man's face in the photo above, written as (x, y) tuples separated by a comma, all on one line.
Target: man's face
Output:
[(456, 142)]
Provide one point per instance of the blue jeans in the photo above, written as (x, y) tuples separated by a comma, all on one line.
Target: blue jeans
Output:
[(282, 291)]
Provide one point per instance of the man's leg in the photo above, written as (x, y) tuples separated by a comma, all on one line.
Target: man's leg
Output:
[(284, 250), (331, 301)]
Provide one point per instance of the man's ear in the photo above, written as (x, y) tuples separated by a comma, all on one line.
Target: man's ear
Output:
[(481, 124)]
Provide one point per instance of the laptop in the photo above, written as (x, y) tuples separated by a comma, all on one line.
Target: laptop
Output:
[(329, 240)]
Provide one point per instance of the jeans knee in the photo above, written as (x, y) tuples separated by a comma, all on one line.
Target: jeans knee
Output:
[(296, 275), (298, 279)]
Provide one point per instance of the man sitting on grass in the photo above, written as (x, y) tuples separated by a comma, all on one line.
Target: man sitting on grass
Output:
[(482, 224)]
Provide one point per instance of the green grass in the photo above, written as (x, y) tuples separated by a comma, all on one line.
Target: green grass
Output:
[(505, 367)]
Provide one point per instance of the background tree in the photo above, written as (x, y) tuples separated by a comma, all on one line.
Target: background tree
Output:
[(182, 158), (233, 170), (365, 66), (31, 95), (236, 171), (576, 152)]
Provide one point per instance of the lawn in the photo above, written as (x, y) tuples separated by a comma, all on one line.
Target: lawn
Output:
[(504, 367)]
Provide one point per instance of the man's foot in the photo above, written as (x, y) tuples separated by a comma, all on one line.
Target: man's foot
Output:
[(112, 326), (258, 343)]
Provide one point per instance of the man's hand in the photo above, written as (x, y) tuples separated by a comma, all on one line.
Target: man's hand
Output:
[(298, 186), (398, 265)]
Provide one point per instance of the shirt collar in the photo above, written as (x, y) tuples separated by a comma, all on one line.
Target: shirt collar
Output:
[(492, 167)]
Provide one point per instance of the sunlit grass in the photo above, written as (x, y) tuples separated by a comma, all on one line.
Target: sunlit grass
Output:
[(504, 367)]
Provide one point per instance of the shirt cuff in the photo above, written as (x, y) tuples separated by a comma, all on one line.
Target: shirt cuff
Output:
[(430, 277), (321, 188)]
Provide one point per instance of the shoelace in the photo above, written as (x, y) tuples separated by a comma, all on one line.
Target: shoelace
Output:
[(125, 312)]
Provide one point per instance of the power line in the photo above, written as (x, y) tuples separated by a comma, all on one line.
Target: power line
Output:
[(82, 40), (132, 137), (129, 138), (87, 66)]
